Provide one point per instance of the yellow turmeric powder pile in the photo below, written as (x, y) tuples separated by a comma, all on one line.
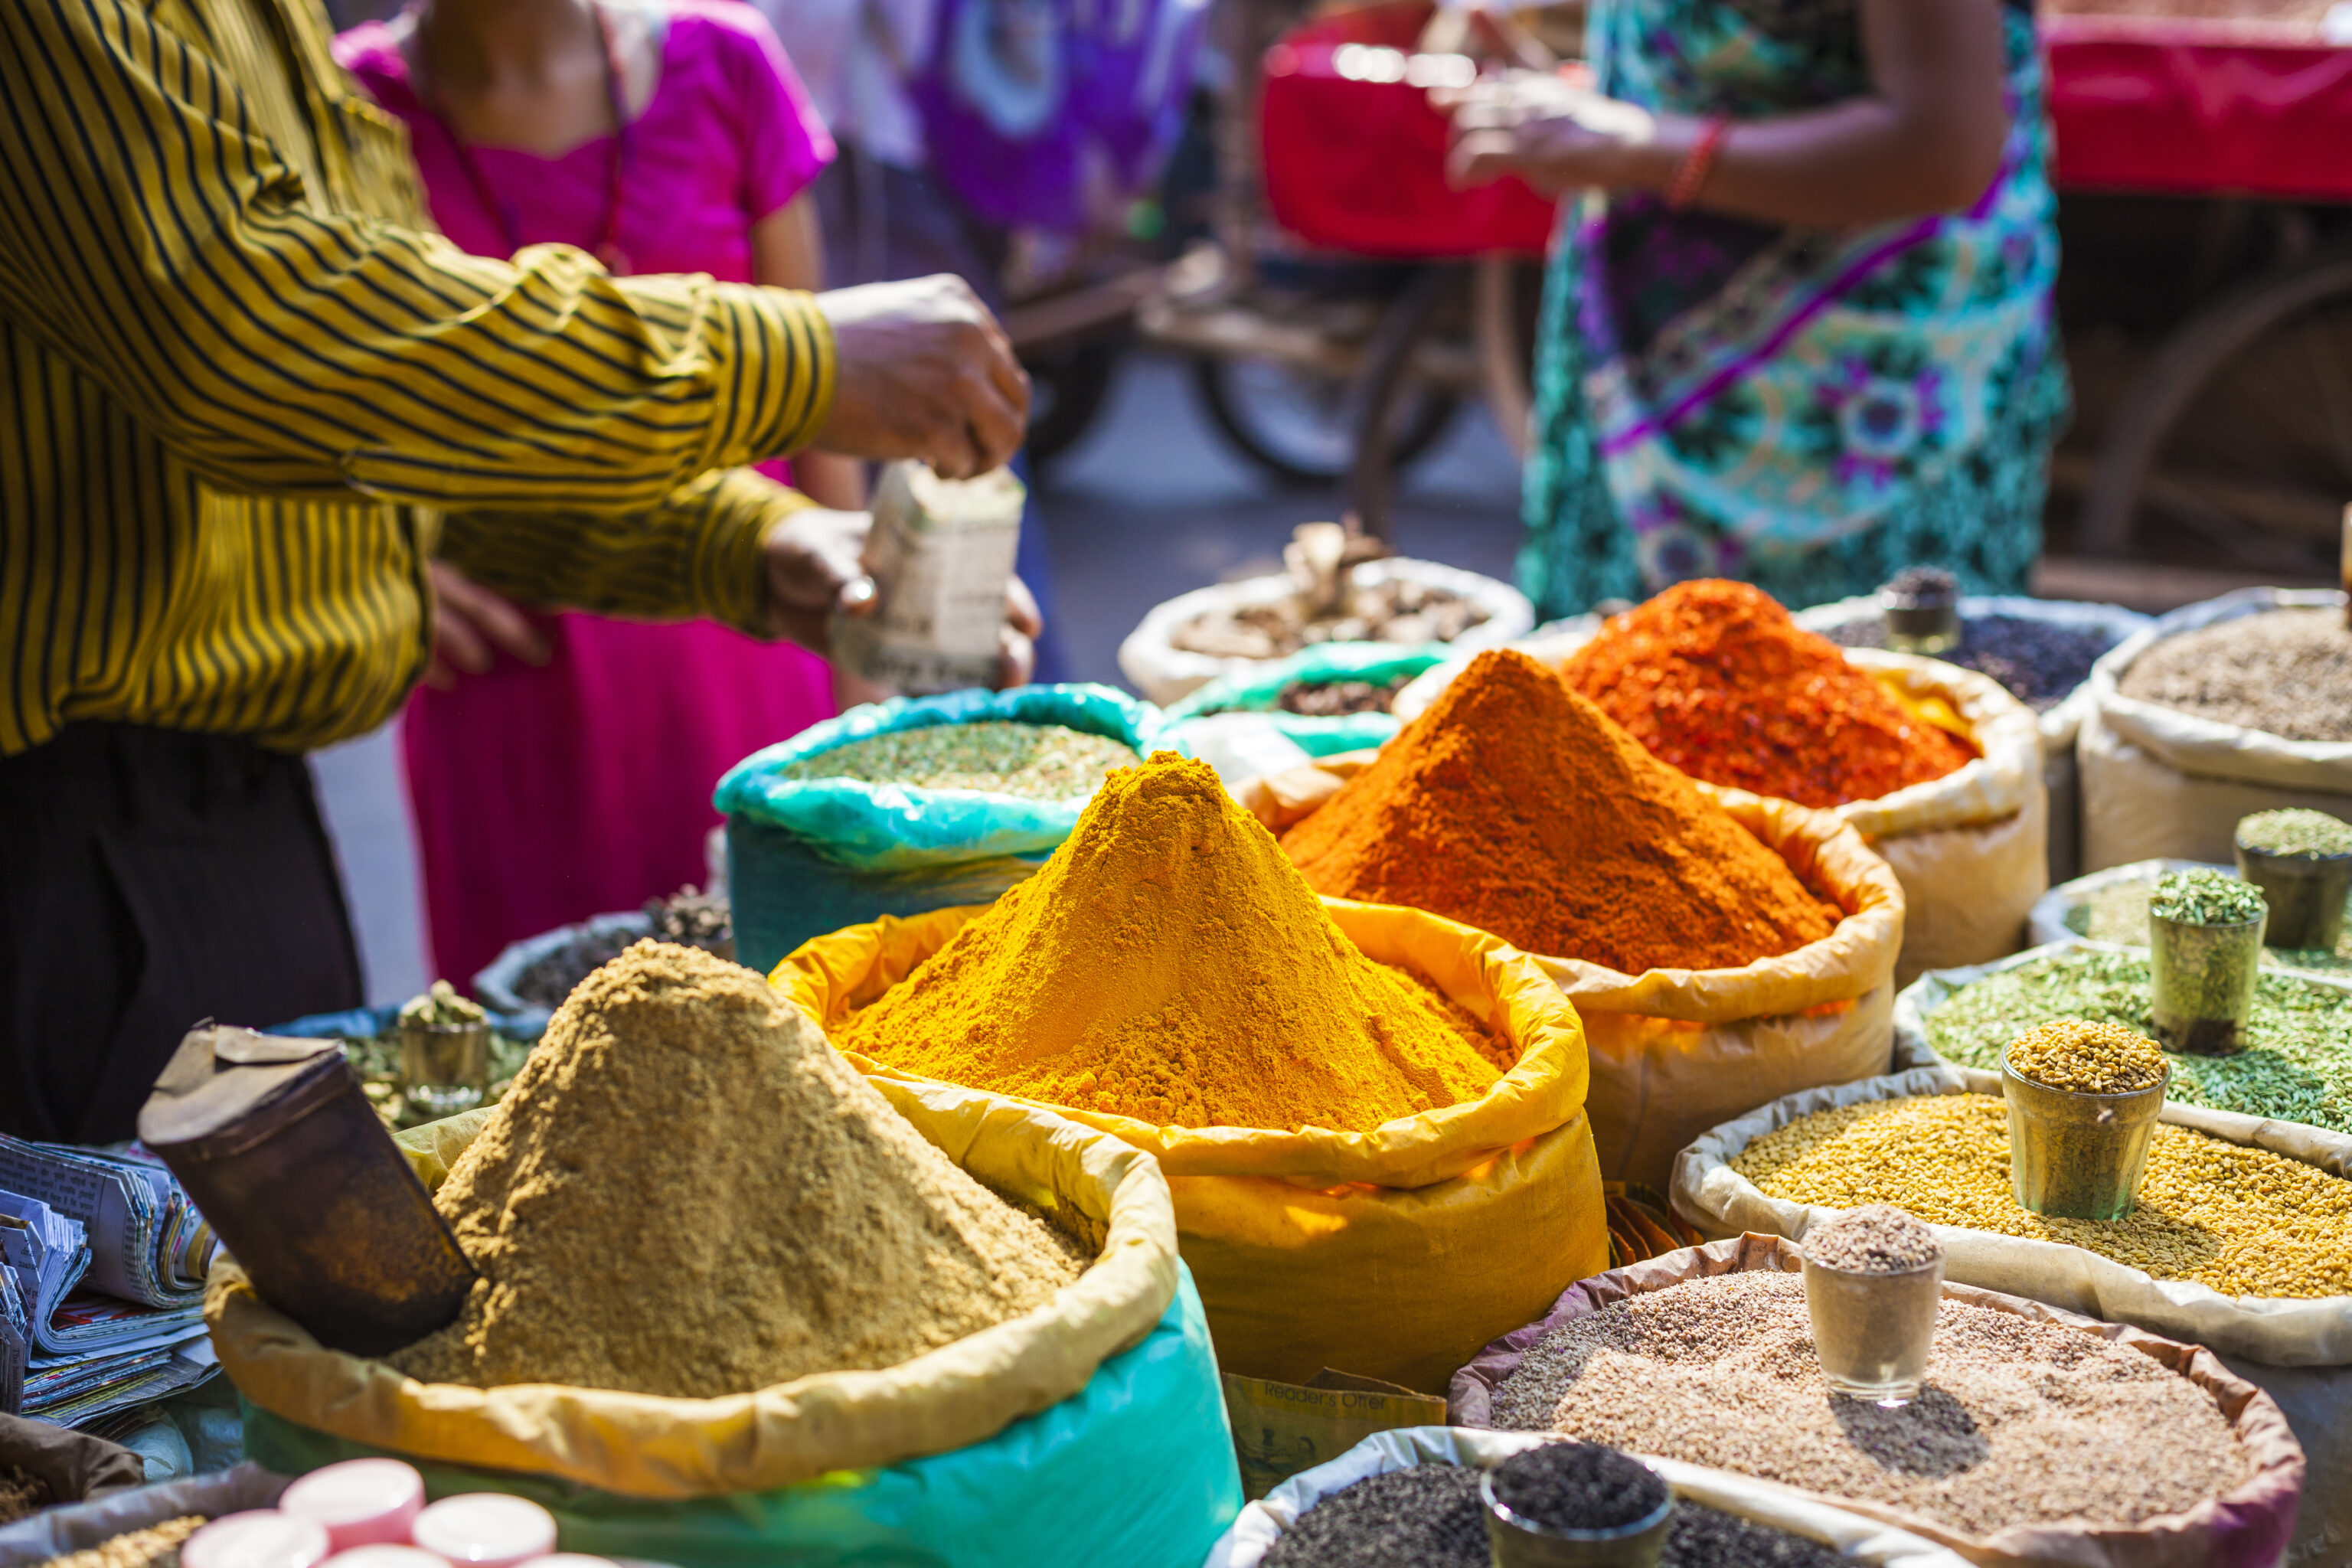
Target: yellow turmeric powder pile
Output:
[(1169, 963)]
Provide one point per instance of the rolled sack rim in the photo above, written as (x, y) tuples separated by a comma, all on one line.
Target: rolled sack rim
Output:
[(2193, 744), (1858, 955), (948, 1398), (1505, 988)]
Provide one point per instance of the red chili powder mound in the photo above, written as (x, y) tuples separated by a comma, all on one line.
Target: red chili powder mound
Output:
[(1515, 806), (1716, 679)]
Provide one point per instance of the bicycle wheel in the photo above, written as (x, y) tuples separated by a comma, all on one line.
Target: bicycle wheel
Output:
[(1300, 426)]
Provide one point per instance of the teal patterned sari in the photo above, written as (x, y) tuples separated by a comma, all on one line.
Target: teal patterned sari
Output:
[(1809, 410)]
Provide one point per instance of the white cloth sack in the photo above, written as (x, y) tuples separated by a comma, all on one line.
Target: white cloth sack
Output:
[(2158, 782), (2059, 725), (2048, 923), (1863, 1541), (1163, 672), (1968, 847)]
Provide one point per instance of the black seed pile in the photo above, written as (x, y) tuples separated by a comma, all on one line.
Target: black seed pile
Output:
[(1577, 1486), (1702, 1537), (2038, 662), (1426, 1517)]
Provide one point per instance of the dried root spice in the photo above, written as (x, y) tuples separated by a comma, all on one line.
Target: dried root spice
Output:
[(22, 1493), (688, 1192), (2244, 1221), (2019, 1423), (157, 1546)]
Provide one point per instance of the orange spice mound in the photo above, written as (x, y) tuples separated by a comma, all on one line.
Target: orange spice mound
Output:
[(1715, 677), (1516, 806)]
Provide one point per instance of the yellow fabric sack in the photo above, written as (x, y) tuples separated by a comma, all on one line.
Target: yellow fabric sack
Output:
[(1393, 1254), (642, 1446), (1671, 1048)]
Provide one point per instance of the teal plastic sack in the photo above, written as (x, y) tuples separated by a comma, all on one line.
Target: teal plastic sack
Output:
[(1136, 1468), (892, 827), (1261, 692)]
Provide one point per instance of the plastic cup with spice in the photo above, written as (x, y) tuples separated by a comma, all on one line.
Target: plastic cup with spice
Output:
[(1922, 608), (1575, 1505), (444, 1052), (2082, 1102), (2302, 860), (2205, 950), (486, 1529), (1874, 1278), (257, 1538), (362, 1503)]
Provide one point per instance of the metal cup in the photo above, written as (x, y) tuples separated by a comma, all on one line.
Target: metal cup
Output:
[(445, 1067), (2203, 979), (2078, 1156), (2306, 893), (1873, 1332), (1520, 1542)]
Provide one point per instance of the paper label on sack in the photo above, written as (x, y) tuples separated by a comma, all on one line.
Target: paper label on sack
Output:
[(1282, 1428), (940, 553)]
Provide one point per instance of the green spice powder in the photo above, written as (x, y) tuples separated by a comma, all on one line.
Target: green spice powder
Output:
[(2202, 898), (1037, 762), (2294, 831), (2296, 1066)]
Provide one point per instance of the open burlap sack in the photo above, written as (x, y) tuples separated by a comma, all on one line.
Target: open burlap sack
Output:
[(2246, 1528), (2161, 784), (1676, 1050), (1969, 849)]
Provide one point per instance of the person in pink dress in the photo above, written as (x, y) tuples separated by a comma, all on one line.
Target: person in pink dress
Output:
[(562, 765)]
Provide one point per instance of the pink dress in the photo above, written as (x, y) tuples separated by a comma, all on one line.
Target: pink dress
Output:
[(544, 797)]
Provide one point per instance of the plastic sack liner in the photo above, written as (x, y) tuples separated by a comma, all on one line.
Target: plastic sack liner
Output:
[(1969, 849), (1391, 1254), (2301, 1345), (494, 985), (2158, 782), (1260, 691), (2059, 725), (2246, 1528), (1855, 1538), (642, 1446), (78, 1527), (899, 827), (1164, 672), (1673, 1051)]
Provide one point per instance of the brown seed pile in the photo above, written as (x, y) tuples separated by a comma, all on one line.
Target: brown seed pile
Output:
[(22, 1493), (2086, 1058), (1873, 1239), (689, 1193), (2288, 672), (157, 1546), (2243, 1221), (2019, 1423)]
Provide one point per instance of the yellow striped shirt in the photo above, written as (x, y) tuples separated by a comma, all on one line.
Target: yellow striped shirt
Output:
[(245, 393)]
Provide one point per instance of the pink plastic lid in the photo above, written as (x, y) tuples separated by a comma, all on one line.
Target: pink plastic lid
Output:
[(564, 1559), (486, 1529), (386, 1556), (362, 1502), (257, 1538)]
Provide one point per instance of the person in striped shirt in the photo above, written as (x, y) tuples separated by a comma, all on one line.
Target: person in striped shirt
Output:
[(246, 396)]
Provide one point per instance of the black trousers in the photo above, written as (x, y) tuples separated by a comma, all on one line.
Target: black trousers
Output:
[(149, 878)]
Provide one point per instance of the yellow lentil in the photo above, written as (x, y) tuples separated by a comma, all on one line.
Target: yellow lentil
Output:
[(2086, 1058), (2245, 1222)]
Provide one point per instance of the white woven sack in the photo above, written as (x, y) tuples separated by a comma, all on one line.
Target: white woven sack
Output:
[(2161, 783), (1856, 1539), (1969, 847), (2297, 1350), (1163, 672)]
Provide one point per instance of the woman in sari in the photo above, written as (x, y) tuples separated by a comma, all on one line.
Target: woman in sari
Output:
[(1797, 328)]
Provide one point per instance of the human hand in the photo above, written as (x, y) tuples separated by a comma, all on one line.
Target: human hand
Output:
[(923, 371), (471, 626), (814, 568), (1598, 143)]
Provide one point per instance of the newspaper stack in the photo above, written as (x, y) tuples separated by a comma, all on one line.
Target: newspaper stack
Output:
[(102, 1262)]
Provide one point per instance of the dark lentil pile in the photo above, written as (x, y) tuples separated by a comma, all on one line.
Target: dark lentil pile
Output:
[(1426, 1517), (1577, 1486), (686, 916), (2038, 662), (1335, 699)]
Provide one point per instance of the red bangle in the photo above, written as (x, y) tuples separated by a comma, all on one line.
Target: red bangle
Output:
[(1682, 189)]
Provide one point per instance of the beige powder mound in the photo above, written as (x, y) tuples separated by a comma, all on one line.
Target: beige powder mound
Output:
[(688, 1192)]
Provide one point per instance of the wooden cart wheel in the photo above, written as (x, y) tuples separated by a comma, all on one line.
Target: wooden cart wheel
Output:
[(1386, 381), (1505, 295), (2241, 430)]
